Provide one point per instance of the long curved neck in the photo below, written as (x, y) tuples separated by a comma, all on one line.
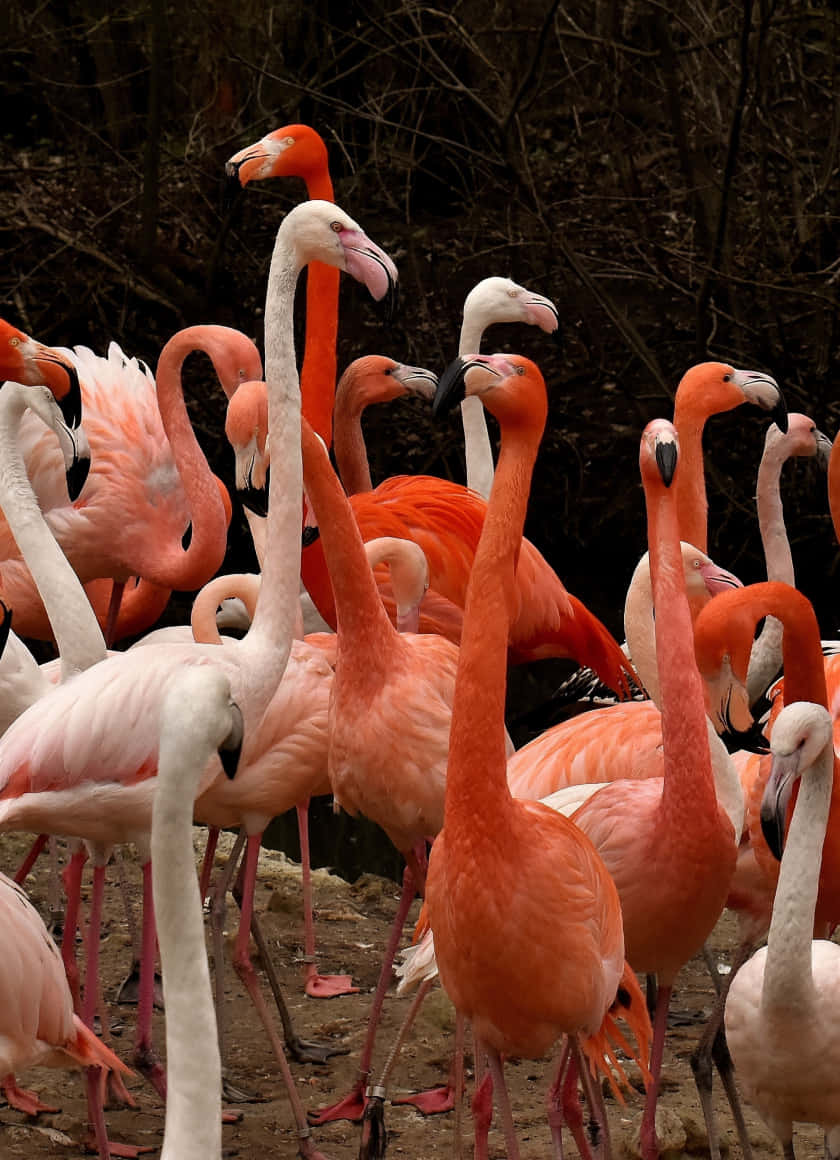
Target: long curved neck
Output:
[(801, 650), (193, 1099), (365, 633), (639, 629), (479, 453), (268, 642), (690, 483), (834, 486), (688, 794), (318, 371), (477, 753), (191, 568), (73, 622), (766, 657), (349, 441), (787, 972)]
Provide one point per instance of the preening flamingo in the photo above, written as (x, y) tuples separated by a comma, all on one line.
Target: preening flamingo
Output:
[(782, 1008), (149, 478), (89, 769), (298, 151), (502, 869), (37, 1023), (25, 361), (197, 720)]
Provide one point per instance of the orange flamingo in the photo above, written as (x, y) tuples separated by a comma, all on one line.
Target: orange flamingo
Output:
[(298, 151), (501, 868), (25, 361)]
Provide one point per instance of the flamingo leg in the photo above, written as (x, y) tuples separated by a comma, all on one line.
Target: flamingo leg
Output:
[(498, 1074), (352, 1107), (482, 1104), (72, 877), (117, 589), (245, 970), (317, 985), (708, 1050), (21, 1099), (31, 858), (650, 1148), (564, 1105), (459, 1085), (145, 1058), (207, 861), (598, 1127)]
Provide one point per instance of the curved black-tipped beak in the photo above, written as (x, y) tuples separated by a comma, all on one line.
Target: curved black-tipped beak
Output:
[(231, 189), (186, 539), (752, 739), (666, 461), (779, 414), (77, 474), (309, 535), (5, 627), (70, 404), (255, 499), (391, 300), (231, 747), (776, 799), (450, 389)]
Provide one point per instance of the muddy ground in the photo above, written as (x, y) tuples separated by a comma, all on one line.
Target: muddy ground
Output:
[(352, 921)]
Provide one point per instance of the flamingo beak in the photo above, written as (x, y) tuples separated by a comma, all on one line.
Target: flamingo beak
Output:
[(76, 475), (451, 388), (70, 398), (231, 748), (5, 626), (666, 460), (776, 799)]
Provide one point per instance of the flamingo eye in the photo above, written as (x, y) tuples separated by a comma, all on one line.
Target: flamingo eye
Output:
[(512, 293), (520, 370), (287, 141), (726, 659), (336, 227), (242, 374), (14, 342), (727, 378), (696, 563)]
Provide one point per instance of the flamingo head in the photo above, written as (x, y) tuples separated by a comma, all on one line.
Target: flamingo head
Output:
[(510, 387), (292, 151), (246, 428), (319, 231), (720, 387), (501, 300), (801, 438), (801, 733), (409, 576), (374, 378), (25, 361)]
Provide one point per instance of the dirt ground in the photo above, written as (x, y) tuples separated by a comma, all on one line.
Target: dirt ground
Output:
[(351, 923)]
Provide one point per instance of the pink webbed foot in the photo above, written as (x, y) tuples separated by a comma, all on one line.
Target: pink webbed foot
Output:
[(433, 1102), (327, 986), (23, 1100), (352, 1108), (115, 1093), (124, 1151)]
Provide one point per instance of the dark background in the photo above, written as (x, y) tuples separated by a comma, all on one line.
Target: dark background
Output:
[(667, 173)]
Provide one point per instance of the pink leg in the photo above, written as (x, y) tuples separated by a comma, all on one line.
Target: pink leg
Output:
[(482, 1103), (598, 1129), (21, 1099), (31, 858), (117, 589), (145, 1059), (352, 1107), (73, 888), (497, 1072), (316, 985), (245, 970), (98, 1138), (207, 862), (650, 1148)]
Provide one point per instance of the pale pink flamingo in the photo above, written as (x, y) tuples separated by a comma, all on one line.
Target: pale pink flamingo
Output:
[(782, 1008), (188, 742), (38, 1027), (89, 770), (501, 869), (25, 361)]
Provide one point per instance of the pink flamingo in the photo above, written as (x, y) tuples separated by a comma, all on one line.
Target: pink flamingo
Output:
[(80, 774), (500, 868)]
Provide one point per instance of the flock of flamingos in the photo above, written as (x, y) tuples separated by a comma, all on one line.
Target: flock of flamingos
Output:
[(605, 849)]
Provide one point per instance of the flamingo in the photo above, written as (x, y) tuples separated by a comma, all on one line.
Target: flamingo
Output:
[(298, 151), (83, 760), (25, 361), (148, 481), (781, 1010), (501, 869), (37, 1024), (198, 719)]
